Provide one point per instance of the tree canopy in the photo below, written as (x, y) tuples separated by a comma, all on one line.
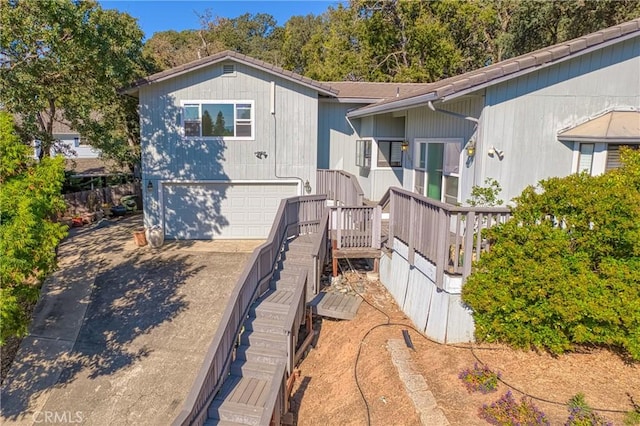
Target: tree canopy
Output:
[(394, 40), (63, 60)]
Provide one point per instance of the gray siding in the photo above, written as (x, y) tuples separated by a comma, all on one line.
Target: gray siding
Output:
[(523, 115), (337, 136), (289, 137), (294, 127), (425, 123)]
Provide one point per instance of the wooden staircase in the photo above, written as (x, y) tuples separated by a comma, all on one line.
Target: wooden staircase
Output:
[(264, 351)]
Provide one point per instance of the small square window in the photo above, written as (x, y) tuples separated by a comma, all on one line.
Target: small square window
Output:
[(389, 153)]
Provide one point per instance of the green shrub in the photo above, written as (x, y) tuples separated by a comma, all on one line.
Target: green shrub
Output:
[(29, 200), (565, 270)]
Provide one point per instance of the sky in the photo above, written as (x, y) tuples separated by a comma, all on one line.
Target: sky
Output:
[(163, 15)]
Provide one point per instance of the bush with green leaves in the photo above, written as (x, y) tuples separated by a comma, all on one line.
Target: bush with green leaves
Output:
[(29, 200), (565, 270)]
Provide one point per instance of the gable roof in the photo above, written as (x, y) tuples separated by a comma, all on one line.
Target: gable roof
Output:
[(236, 57), (612, 126), (459, 85)]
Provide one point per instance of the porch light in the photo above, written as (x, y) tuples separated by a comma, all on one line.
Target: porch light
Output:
[(405, 145), (149, 186), (471, 148), (307, 187)]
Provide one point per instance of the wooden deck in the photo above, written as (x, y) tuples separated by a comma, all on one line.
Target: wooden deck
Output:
[(336, 305)]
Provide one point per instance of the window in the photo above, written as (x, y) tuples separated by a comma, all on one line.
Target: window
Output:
[(229, 120), (613, 155), (390, 153), (363, 153), (585, 160), (437, 170)]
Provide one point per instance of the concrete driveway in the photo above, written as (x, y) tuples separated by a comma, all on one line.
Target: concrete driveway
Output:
[(120, 331)]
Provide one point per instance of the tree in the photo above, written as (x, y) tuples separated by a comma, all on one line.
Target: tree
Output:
[(29, 199), (536, 24), (65, 60), (565, 270), (207, 124), (218, 128)]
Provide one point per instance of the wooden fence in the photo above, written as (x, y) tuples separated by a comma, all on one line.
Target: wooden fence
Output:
[(92, 200), (340, 187), (295, 216), (448, 236)]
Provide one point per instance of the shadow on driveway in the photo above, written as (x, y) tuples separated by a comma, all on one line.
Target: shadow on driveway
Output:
[(109, 307)]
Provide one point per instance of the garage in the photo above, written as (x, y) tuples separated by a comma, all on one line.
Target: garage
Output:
[(222, 210)]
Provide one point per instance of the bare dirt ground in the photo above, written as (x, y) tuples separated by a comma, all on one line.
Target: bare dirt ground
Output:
[(326, 391)]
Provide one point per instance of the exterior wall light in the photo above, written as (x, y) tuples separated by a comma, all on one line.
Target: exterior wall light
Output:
[(307, 187), (149, 186), (261, 154), (471, 148), (495, 152), (405, 145)]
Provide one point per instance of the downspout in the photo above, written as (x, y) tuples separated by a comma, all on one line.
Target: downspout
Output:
[(454, 114), (275, 143)]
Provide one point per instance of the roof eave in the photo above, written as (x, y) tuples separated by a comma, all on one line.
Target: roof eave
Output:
[(419, 100), (393, 106), (597, 139)]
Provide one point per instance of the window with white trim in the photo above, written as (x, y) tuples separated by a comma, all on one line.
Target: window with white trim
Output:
[(585, 158), (437, 170), (363, 153), (219, 119), (390, 153)]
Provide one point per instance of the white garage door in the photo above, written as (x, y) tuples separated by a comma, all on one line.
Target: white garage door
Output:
[(205, 211)]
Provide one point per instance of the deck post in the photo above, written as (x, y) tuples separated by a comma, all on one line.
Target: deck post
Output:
[(411, 242), (376, 229), (334, 258)]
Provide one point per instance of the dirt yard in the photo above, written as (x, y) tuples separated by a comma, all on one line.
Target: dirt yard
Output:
[(327, 392)]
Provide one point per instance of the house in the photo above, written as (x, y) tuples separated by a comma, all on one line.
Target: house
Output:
[(226, 137), (552, 112), (68, 141)]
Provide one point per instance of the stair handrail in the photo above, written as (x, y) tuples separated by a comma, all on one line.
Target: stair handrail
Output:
[(249, 286)]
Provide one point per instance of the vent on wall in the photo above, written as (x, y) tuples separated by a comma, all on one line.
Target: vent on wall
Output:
[(228, 69)]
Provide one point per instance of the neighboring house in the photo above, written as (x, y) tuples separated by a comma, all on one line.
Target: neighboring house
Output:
[(69, 142), (226, 137)]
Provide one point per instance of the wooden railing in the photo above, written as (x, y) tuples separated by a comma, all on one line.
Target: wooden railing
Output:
[(356, 227), (448, 236), (340, 187), (295, 216)]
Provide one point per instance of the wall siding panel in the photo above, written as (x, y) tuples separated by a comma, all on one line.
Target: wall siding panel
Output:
[(523, 116)]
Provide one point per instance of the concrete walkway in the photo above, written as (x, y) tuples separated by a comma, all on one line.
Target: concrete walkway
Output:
[(120, 331)]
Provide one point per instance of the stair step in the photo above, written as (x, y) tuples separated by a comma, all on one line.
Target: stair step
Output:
[(270, 340), (232, 412), (258, 370), (274, 311), (264, 325), (261, 354)]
